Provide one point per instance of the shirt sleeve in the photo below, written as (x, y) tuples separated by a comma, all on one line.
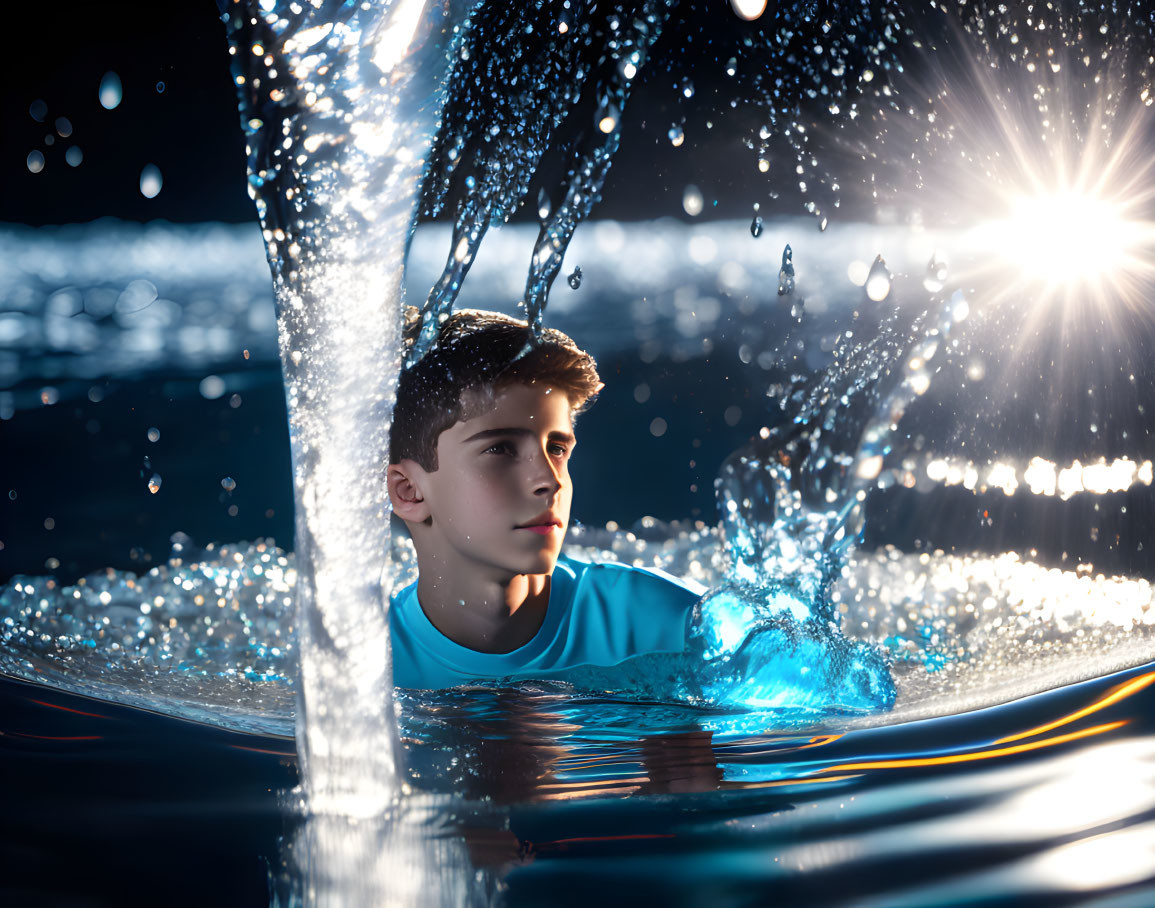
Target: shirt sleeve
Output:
[(636, 611)]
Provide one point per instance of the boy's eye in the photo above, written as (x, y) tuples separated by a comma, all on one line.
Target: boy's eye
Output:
[(557, 449), (502, 447)]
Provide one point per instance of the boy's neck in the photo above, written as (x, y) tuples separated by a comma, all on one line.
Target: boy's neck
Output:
[(484, 614)]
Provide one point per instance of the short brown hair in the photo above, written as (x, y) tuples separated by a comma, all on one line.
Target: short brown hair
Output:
[(477, 350)]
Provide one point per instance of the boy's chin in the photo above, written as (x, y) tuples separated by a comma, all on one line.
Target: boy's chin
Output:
[(541, 564)]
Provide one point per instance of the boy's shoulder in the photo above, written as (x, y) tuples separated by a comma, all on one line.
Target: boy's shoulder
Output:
[(613, 576)]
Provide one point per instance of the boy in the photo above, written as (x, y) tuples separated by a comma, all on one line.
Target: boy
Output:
[(479, 471)]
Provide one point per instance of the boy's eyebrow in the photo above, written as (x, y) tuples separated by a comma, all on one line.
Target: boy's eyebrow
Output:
[(519, 431)]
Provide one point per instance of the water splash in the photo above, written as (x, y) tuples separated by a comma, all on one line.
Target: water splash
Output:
[(491, 143)]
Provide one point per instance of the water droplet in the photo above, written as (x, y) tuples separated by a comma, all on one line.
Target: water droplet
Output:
[(748, 9), (63, 127), (138, 295), (786, 273), (658, 427), (575, 278), (732, 66), (642, 393), (49, 396), (936, 272), (687, 88), (212, 387), (38, 110), (111, 91), (756, 226), (50, 139), (692, 200), (858, 271), (74, 156), (35, 161), (878, 281), (228, 483), (150, 181), (160, 88), (154, 483), (154, 434), (677, 135), (543, 206)]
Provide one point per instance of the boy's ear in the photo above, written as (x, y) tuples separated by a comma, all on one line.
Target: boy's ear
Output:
[(403, 481)]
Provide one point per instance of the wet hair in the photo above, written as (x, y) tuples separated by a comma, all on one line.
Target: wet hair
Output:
[(481, 351)]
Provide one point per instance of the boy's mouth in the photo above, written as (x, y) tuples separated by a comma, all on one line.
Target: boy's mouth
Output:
[(544, 524)]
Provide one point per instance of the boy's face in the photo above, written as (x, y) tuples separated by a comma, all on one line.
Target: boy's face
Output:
[(499, 500)]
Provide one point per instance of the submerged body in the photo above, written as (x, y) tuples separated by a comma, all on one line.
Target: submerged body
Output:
[(597, 614)]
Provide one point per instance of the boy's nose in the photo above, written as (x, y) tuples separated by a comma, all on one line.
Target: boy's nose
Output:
[(546, 479)]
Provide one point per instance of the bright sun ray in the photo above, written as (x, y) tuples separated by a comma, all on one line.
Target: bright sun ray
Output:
[(1075, 240), (1052, 167)]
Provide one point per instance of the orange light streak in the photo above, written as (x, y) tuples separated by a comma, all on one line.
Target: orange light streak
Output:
[(578, 840), (67, 709), (980, 755), (1120, 692), (782, 783), (262, 750)]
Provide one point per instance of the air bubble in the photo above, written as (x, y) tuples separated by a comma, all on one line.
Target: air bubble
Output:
[(575, 278)]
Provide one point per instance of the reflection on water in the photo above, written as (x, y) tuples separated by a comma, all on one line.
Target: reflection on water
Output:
[(544, 802)]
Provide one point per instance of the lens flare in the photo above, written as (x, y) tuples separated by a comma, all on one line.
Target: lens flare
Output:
[(1066, 238), (1074, 228)]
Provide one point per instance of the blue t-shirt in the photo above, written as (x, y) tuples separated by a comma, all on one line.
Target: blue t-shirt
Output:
[(598, 614)]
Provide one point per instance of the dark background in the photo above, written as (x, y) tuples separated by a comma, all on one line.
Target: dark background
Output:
[(179, 112)]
